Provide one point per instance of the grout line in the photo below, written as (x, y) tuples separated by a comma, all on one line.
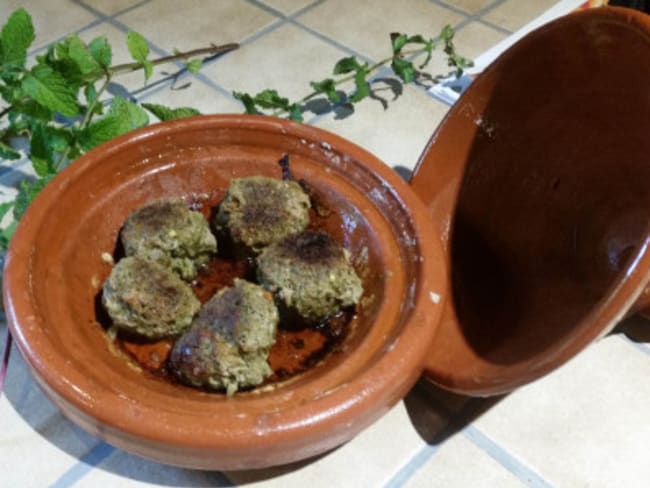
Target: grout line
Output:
[(473, 17), (494, 26), (492, 448), (329, 40), (422, 457), (105, 16), (90, 25), (277, 13), (101, 18), (525, 474), (84, 465), (416, 462)]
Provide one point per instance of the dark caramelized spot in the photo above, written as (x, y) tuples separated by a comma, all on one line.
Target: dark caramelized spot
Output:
[(320, 210), (157, 215), (312, 247), (286, 171), (263, 214), (224, 310)]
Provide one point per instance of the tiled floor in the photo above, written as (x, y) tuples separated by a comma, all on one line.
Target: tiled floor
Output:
[(585, 425)]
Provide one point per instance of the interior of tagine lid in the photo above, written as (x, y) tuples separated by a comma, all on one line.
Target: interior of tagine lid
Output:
[(537, 181)]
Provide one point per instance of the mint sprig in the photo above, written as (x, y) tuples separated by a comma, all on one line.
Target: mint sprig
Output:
[(56, 106), (351, 69)]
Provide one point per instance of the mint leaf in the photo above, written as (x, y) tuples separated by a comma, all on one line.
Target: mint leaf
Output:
[(5, 207), (328, 87), (101, 51), (50, 89), (138, 47), (398, 41), (8, 152), (194, 66), (447, 34), (122, 117), (80, 55), (90, 93), (33, 110), (101, 131), (166, 113), (132, 115), (271, 99), (148, 69), (295, 112), (346, 65), (39, 153), (16, 36), (7, 233), (363, 88), (46, 143), (248, 101), (27, 192), (139, 50), (404, 69)]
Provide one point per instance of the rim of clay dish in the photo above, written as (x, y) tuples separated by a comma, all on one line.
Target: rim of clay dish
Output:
[(318, 419)]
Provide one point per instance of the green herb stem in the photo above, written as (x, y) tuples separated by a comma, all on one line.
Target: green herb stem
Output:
[(6, 110), (210, 51), (350, 77)]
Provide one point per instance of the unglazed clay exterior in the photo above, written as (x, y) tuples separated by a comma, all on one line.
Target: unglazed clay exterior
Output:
[(537, 181), (55, 270)]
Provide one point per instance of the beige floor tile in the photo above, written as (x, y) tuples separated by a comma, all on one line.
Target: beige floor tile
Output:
[(23, 410), (366, 461), (396, 135), (445, 469), (123, 469), (288, 7), (513, 14), (585, 425), (51, 19), (286, 59), (110, 7), (476, 38), (167, 22), (366, 28), (471, 6)]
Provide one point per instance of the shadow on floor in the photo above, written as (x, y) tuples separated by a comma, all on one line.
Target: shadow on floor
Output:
[(437, 414), (636, 328)]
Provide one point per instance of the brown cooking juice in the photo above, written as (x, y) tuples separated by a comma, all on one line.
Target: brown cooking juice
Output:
[(298, 347)]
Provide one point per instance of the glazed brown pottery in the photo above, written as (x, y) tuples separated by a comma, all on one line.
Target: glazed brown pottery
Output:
[(538, 182), (55, 270)]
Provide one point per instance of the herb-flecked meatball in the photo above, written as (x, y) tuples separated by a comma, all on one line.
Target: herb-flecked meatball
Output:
[(310, 273), (258, 210), (167, 232), (146, 299), (227, 346)]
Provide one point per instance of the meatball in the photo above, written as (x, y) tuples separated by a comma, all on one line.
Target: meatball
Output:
[(167, 232), (227, 346), (258, 211), (310, 273), (145, 299)]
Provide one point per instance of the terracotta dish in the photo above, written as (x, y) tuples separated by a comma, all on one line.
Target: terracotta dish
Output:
[(55, 269), (537, 181)]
